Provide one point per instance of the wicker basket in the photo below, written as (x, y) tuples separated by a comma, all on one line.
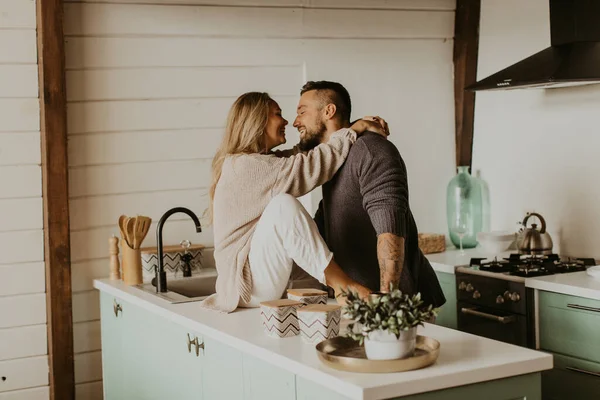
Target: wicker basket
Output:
[(432, 243)]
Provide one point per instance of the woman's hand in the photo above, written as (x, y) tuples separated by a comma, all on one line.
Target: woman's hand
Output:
[(372, 124)]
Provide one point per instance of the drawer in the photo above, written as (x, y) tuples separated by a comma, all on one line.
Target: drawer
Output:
[(570, 379), (569, 325)]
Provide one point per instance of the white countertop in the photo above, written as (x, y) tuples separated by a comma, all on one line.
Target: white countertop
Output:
[(573, 283), (464, 359)]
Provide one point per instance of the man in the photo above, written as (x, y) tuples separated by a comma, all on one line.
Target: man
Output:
[(365, 216)]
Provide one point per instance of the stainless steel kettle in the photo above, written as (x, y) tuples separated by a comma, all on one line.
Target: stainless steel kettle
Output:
[(532, 240)]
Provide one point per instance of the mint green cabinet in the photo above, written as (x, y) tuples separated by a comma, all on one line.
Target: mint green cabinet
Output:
[(149, 357), (222, 375), (113, 364), (571, 378), (146, 357), (162, 364), (263, 381), (523, 387), (569, 328), (447, 315), (570, 325)]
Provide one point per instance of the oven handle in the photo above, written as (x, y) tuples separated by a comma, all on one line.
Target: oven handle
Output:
[(502, 320), (583, 371), (578, 307)]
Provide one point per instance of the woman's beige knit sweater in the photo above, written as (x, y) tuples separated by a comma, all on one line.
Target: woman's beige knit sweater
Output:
[(247, 184)]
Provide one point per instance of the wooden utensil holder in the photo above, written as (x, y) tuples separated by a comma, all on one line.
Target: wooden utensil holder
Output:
[(131, 265)]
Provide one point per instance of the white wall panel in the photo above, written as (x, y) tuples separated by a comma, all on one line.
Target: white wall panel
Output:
[(88, 367), (26, 341), (23, 310), (37, 393), (21, 214), (18, 46), (124, 19), (20, 148), (18, 80), (115, 148), (354, 4), (21, 246), (138, 177), (22, 278), (103, 211), (19, 114), (24, 373), (179, 83), (17, 14)]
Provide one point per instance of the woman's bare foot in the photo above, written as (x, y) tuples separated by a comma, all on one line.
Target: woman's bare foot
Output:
[(337, 279)]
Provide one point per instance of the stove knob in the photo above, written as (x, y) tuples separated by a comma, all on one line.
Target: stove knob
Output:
[(476, 294), (515, 297), (499, 300), (506, 295), (470, 288), (462, 286)]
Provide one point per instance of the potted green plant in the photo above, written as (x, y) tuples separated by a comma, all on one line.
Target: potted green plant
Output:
[(386, 322)]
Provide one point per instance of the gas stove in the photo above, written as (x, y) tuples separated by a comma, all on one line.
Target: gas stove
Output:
[(527, 266), (493, 301)]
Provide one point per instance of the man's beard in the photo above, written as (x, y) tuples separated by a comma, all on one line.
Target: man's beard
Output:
[(312, 138)]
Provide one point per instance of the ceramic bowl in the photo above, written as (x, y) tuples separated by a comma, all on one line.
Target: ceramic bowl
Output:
[(496, 242)]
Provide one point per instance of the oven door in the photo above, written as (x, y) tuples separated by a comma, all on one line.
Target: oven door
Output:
[(494, 324)]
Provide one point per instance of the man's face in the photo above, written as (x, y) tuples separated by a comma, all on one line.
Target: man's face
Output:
[(310, 120)]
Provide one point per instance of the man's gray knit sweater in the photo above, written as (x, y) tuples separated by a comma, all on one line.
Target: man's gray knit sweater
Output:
[(367, 197)]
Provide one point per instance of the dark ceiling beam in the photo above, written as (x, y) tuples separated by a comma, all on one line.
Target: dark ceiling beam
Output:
[(466, 45)]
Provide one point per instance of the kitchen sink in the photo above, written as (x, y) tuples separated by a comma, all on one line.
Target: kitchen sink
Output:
[(185, 290)]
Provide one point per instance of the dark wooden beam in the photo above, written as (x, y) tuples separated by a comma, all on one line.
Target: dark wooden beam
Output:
[(57, 249), (466, 45)]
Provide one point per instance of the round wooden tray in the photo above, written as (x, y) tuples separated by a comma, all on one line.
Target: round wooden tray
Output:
[(346, 354)]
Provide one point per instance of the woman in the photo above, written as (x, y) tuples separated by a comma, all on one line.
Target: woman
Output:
[(260, 227)]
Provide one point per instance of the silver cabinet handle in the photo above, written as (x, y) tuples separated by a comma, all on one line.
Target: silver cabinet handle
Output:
[(583, 371), (578, 307), (197, 345), (116, 308), (502, 320)]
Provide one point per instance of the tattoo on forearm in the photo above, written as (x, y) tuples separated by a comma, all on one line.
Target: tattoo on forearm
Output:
[(390, 253)]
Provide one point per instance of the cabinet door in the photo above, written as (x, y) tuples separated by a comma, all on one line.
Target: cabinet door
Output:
[(447, 315), (571, 378), (160, 363), (222, 373), (263, 381), (569, 325), (112, 329)]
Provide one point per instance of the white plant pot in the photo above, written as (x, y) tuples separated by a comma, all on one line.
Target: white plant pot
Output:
[(383, 345)]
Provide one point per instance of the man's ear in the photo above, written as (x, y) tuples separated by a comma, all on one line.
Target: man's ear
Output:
[(329, 111)]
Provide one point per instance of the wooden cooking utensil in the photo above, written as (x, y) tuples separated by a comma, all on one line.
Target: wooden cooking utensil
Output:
[(122, 220), (141, 228), (129, 229)]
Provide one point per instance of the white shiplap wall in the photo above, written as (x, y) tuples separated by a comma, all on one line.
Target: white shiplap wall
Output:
[(537, 148), (23, 346), (149, 86)]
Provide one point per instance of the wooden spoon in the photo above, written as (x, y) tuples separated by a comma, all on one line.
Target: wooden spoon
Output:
[(122, 223), (130, 229), (141, 228)]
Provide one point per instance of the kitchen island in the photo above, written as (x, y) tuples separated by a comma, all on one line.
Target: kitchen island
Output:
[(155, 350)]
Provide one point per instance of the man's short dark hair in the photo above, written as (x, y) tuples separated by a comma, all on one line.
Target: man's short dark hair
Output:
[(332, 92)]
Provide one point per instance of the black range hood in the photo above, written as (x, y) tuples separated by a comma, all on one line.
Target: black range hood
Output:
[(572, 59)]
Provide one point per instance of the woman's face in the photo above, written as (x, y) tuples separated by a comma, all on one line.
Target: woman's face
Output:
[(275, 132)]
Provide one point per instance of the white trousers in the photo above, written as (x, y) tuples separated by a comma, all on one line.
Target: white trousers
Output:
[(285, 234)]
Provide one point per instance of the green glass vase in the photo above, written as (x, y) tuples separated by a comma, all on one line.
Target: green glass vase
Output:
[(464, 209)]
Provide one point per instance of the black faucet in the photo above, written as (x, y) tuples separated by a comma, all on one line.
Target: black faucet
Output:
[(161, 275)]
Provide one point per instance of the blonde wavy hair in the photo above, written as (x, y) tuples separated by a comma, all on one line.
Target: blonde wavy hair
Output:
[(244, 134)]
